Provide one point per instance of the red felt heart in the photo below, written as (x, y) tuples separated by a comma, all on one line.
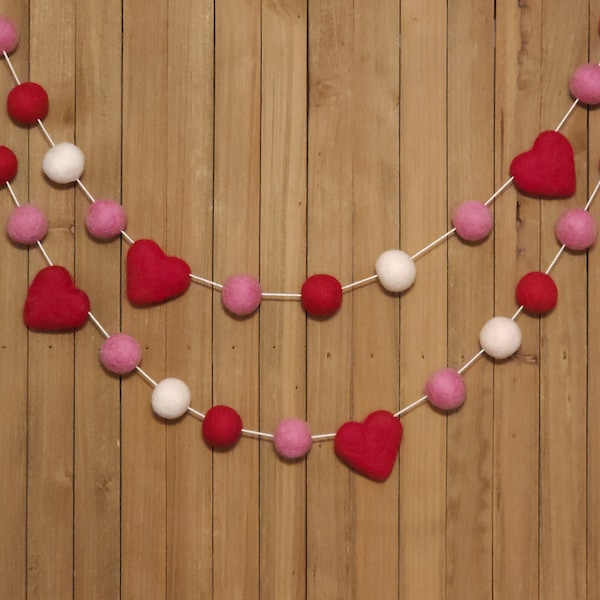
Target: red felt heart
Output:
[(548, 169), (53, 302), (152, 276), (370, 447)]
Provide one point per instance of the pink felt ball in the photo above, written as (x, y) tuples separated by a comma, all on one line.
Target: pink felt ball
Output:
[(585, 84), (222, 427), (9, 35), (446, 389), (536, 292), (27, 224), (473, 220), (8, 165), (321, 295), (120, 353), (105, 219), (576, 229), (292, 438), (241, 295), (27, 102)]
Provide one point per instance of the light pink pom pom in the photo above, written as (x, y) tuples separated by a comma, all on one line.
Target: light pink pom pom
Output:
[(27, 224), (105, 219), (473, 220), (120, 354), (446, 389), (241, 295), (576, 229), (292, 438), (585, 84), (9, 35)]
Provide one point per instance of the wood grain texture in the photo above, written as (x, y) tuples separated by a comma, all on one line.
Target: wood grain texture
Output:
[(283, 138)]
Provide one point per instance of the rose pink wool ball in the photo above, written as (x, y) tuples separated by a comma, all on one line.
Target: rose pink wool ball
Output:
[(9, 35), (105, 219), (27, 224), (585, 84), (120, 354), (292, 438), (446, 389), (576, 229), (241, 295), (472, 220)]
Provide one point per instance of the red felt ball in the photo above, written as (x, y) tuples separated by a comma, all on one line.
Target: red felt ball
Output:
[(8, 165), (536, 292), (27, 102), (222, 427), (321, 295)]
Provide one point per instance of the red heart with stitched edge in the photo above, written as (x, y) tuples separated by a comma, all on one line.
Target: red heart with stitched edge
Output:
[(370, 447), (548, 169), (152, 276), (53, 302)]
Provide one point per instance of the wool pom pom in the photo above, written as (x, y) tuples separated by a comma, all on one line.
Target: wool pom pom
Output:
[(472, 220), (241, 295), (120, 353), (500, 337), (585, 84), (8, 165), (222, 427), (9, 35), (27, 102), (446, 389), (576, 229), (292, 438), (105, 219), (396, 270), (321, 295), (63, 163), (536, 292), (171, 398), (27, 224)]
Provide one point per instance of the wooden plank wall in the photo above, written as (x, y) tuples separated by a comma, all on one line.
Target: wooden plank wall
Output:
[(284, 138)]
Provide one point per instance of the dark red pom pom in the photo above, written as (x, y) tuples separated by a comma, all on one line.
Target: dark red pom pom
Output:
[(321, 295), (27, 102), (8, 165), (222, 427), (537, 292)]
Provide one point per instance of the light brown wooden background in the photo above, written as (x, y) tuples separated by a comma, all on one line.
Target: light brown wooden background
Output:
[(283, 138)]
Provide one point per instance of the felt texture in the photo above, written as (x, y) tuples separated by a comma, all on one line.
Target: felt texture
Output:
[(548, 169), (8, 165), (472, 220), (53, 302), (152, 276), (370, 447), (171, 398), (105, 219), (500, 337), (536, 292), (395, 270), (63, 163), (446, 389), (9, 35), (585, 84), (321, 295), (120, 354), (27, 102), (576, 229), (241, 295), (221, 427), (292, 438), (27, 224)]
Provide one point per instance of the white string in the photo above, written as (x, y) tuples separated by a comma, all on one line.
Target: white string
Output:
[(10, 66)]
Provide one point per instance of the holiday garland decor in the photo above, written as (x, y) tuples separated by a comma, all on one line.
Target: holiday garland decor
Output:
[(370, 447)]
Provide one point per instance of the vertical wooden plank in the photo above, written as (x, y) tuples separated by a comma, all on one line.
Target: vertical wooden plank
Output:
[(282, 269)]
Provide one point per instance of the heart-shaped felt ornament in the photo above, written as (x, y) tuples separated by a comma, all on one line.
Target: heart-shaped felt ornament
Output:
[(53, 302), (548, 169), (370, 447), (152, 276)]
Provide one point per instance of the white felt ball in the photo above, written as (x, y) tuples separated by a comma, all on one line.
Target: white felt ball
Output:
[(63, 163), (396, 270), (500, 337), (171, 398)]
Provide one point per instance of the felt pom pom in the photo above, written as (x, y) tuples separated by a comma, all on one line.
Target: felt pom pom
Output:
[(27, 224), (292, 438), (63, 163), (105, 219), (9, 35), (222, 427), (241, 295), (576, 229), (446, 389), (27, 102), (472, 220), (585, 84), (536, 292), (396, 270), (500, 337), (171, 398), (8, 165), (120, 353), (321, 295)]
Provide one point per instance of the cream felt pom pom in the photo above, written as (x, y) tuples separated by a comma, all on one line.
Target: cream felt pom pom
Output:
[(171, 398), (396, 270), (500, 337), (63, 163)]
